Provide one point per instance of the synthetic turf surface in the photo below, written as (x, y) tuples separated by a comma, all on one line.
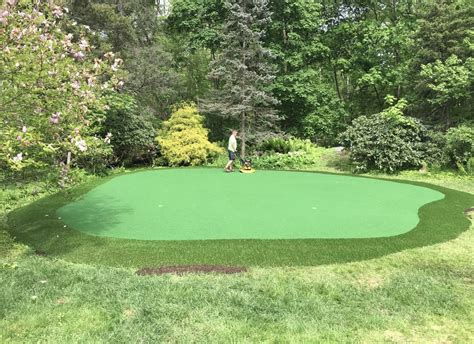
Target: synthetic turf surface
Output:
[(37, 226), (203, 204)]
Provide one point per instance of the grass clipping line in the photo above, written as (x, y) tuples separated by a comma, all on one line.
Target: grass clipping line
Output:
[(185, 269)]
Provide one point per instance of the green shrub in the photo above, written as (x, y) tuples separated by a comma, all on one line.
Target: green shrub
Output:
[(184, 141), (291, 160), (434, 148), (387, 141), (96, 158), (470, 166), (276, 145), (460, 145), (133, 135), (284, 146), (324, 124)]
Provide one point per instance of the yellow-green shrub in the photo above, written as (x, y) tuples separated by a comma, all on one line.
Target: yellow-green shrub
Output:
[(184, 141)]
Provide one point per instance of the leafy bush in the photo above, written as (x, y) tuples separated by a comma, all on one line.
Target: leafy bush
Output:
[(184, 140), (291, 160), (282, 145), (132, 133), (460, 145), (324, 124), (96, 158), (434, 148), (387, 141)]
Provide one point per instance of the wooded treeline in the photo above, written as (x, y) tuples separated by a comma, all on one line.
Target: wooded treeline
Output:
[(98, 80), (333, 60)]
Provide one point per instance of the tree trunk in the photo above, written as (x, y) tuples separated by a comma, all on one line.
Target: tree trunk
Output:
[(337, 82), (285, 41), (378, 97), (243, 134), (446, 115)]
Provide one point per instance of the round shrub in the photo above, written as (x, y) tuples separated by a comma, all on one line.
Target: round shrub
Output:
[(384, 143), (460, 145), (184, 140)]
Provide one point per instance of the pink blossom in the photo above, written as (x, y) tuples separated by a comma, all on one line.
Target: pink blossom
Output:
[(15, 33), (79, 55), (12, 2), (54, 119), (3, 17), (23, 129), (57, 12), (76, 131), (18, 157), (42, 37), (109, 55), (83, 44), (76, 85), (90, 81), (18, 138), (81, 145), (107, 137)]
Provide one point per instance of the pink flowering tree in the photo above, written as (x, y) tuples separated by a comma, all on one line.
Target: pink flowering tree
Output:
[(51, 89)]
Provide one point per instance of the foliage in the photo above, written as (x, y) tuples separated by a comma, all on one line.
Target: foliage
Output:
[(444, 55), (130, 132), (134, 29), (207, 15), (434, 149), (49, 82), (387, 141), (449, 83), (286, 145), (183, 141), (311, 107), (460, 146), (243, 73), (293, 160)]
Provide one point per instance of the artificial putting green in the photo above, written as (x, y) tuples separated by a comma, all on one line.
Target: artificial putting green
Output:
[(207, 204), (47, 226)]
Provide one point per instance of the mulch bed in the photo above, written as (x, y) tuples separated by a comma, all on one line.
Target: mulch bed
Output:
[(184, 269)]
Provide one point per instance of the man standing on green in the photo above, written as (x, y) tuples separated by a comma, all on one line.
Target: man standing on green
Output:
[(231, 148)]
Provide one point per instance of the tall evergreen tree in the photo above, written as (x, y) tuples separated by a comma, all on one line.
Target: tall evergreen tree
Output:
[(242, 72)]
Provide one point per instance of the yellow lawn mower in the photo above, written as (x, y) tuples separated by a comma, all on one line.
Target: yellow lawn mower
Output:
[(245, 165)]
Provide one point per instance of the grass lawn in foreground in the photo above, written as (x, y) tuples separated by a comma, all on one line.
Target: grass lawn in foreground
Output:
[(421, 295), (143, 204)]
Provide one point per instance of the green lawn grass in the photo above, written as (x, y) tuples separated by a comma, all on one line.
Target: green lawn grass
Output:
[(37, 226), (424, 294)]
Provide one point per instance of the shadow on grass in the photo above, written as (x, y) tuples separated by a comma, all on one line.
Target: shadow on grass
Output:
[(439, 221)]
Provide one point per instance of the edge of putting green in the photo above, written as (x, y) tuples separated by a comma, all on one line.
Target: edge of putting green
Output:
[(440, 221)]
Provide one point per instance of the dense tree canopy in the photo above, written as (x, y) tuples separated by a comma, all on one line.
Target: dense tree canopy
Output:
[(307, 68)]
